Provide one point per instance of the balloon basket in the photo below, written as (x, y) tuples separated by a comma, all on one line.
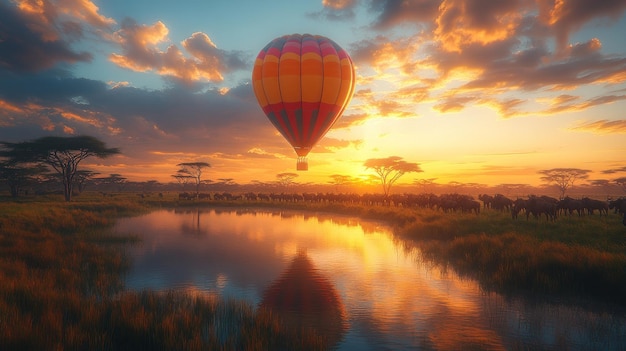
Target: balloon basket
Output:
[(302, 164)]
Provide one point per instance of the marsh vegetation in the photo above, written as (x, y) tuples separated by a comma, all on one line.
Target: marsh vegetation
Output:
[(61, 287)]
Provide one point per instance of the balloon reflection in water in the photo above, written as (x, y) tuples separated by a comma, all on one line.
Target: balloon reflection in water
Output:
[(305, 299)]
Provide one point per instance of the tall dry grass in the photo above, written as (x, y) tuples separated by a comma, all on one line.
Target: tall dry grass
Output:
[(571, 257)]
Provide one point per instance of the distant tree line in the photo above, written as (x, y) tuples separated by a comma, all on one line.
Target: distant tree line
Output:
[(51, 163)]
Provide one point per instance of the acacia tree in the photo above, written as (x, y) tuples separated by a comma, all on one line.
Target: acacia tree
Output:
[(338, 180), (82, 177), (113, 181), (563, 178), (182, 179), (426, 184), (63, 154), (194, 171), (285, 179), (390, 169), (18, 177)]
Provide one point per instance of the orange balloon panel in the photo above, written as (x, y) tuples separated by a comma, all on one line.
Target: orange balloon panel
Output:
[(303, 84)]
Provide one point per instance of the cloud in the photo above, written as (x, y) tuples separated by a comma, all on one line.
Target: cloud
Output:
[(496, 69), (30, 42), (462, 22), (614, 170), (394, 12), (331, 145), (602, 126), (54, 20), (141, 52), (564, 103), (384, 53), (143, 121), (336, 10), (454, 102), (347, 121), (565, 17), (478, 52)]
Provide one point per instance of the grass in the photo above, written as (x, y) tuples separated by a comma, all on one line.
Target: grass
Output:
[(574, 257)]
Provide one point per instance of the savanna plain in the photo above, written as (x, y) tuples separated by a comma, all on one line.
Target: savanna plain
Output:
[(62, 271)]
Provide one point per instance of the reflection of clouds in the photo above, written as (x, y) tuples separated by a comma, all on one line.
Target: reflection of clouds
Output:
[(390, 297)]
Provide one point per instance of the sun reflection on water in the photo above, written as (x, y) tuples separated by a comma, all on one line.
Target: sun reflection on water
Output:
[(388, 297)]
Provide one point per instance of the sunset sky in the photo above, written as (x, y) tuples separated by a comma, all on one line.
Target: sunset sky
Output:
[(475, 91)]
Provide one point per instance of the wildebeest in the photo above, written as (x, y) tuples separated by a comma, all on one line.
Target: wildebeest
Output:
[(591, 205), (185, 196), (497, 202), (501, 203), (541, 205), (457, 202), (619, 206), (486, 199), (569, 205), (517, 207)]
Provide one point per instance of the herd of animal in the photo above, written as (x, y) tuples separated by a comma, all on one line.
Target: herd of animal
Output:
[(535, 206)]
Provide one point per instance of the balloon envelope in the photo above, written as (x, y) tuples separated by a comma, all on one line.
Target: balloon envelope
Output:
[(303, 83)]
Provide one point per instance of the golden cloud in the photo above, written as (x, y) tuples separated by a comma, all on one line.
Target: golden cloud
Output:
[(141, 52), (602, 126)]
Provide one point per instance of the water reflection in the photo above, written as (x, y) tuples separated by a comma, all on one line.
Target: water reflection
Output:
[(304, 298), (387, 297)]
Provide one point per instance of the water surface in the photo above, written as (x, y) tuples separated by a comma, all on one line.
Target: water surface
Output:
[(349, 279)]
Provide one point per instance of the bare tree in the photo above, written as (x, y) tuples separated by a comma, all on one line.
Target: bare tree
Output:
[(194, 171), (390, 169), (563, 178), (63, 154)]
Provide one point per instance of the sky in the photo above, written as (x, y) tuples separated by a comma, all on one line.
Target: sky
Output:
[(474, 91)]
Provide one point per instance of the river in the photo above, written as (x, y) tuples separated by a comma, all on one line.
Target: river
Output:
[(351, 280)]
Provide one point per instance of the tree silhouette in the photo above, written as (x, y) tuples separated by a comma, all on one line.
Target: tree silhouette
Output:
[(63, 154), (182, 179), (285, 179), (82, 177), (115, 181), (18, 177), (194, 171), (563, 178), (426, 184), (390, 169), (621, 181), (339, 180)]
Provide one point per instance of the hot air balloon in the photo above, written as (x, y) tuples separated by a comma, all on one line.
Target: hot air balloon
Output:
[(303, 83)]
